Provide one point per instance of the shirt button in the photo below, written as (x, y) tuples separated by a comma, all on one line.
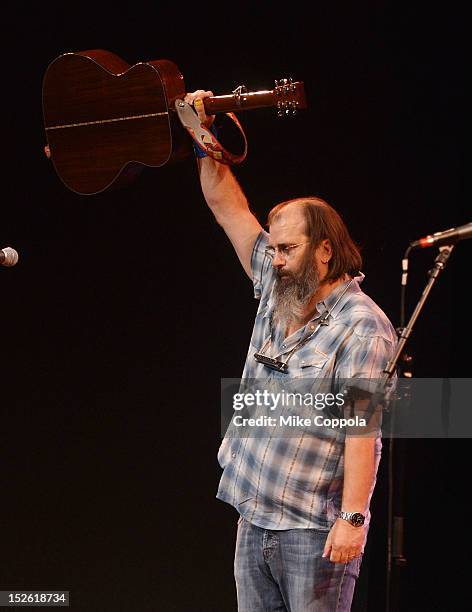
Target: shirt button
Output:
[(283, 345), (233, 455), (312, 327)]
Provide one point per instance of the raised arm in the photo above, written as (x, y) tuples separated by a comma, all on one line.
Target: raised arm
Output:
[(225, 197)]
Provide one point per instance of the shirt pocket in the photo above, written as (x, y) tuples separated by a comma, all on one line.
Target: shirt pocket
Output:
[(311, 366), (308, 379)]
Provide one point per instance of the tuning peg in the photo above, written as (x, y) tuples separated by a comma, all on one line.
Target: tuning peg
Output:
[(286, 108)]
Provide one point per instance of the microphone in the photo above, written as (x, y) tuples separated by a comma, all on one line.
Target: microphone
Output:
[(449, 236), (8, 257)]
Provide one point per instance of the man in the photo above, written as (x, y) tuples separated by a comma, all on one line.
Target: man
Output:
[(303, 501)]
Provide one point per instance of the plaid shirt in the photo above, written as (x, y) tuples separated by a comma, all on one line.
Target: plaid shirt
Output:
[(297, 482)]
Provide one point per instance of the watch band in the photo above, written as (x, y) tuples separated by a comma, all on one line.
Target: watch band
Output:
[(356, 519)]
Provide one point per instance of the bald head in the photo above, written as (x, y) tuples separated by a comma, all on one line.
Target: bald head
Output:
[(313, 220), (289, 225)]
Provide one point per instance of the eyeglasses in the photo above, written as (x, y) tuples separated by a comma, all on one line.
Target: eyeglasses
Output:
[(284, 251)]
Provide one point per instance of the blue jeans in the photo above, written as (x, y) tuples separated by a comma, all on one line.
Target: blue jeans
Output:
[(283, 571)]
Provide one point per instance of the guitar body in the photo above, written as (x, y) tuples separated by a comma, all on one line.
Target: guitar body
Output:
[(105, 120)]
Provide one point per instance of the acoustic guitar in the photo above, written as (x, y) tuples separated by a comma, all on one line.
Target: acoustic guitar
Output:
[(105, 120)]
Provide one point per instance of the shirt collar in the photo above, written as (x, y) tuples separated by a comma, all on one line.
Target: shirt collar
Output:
[(331, 302)]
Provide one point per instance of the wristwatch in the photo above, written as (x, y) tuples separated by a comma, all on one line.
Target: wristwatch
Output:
[(355, 518)]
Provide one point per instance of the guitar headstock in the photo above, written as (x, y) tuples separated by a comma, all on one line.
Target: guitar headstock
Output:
[(289, 97)]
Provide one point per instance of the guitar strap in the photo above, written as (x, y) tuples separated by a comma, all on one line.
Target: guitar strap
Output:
[(205, 139)]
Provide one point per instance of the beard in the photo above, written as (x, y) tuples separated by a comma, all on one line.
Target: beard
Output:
[(292, 293)]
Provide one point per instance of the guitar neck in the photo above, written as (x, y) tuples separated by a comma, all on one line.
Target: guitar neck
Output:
[(288, 96)]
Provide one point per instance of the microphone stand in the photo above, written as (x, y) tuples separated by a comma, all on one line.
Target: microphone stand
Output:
[(395, 534)]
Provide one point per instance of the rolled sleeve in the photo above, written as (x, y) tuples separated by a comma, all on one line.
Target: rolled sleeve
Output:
[(361, 376), (261, 264)]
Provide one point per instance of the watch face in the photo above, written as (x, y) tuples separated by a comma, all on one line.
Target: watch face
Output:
[(357, 519)]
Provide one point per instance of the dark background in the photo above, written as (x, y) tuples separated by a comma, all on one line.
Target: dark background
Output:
[(127, 308)]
